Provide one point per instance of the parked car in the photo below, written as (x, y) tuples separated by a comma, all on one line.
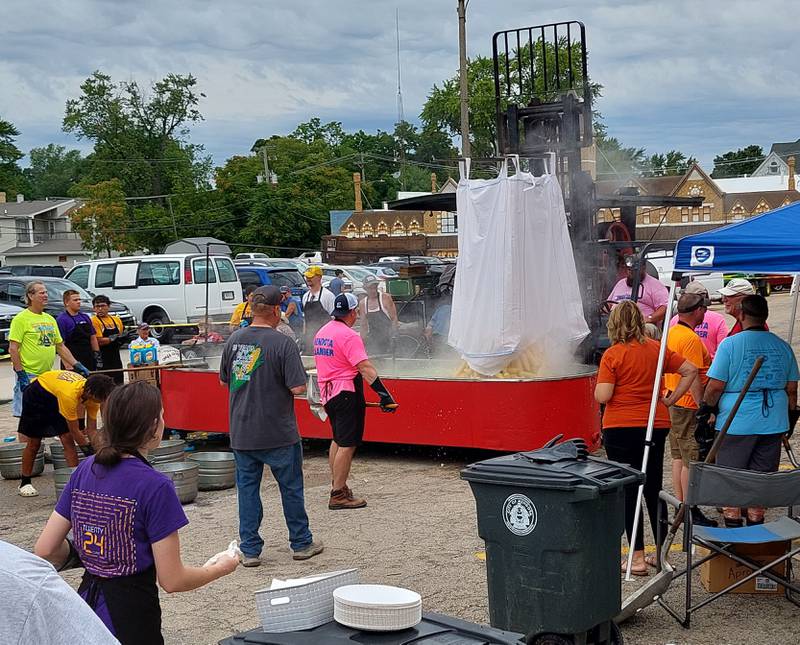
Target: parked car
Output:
[(311, 257), (12, 292), (164, 289), (353, 274), (7, 312), (382, 272), (259, 275), (251, 256), (780, 282), (52, 270)]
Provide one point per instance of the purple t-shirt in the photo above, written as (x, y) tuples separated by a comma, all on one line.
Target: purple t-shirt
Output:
[(117, 513), (67, 322)]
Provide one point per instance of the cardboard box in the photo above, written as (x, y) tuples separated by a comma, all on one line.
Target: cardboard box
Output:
[(721, 571), (151, 376)]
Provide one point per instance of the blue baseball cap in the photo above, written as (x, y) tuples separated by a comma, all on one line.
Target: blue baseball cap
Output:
[(344, 304)]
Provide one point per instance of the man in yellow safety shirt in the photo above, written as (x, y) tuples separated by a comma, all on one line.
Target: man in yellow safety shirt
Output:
[(243, 314)]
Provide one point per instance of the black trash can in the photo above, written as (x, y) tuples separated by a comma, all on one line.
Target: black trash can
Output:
[(552, 528)]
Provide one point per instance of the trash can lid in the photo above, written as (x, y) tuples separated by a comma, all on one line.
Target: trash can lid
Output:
[(520, 470)]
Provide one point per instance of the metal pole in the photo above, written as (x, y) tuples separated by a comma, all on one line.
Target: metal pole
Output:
[(796, 291), (462, 74), (172, 214), (208, 280), (266, 164), (650, 422)]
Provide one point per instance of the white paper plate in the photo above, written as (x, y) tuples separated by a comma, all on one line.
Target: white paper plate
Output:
[(376, 607)]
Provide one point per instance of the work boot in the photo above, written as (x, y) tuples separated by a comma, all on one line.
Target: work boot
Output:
[(343, 499), (310, 551), (250, 560), (701, 520)]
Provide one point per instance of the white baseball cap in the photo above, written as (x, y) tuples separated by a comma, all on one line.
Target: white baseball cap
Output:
[(738, 287)]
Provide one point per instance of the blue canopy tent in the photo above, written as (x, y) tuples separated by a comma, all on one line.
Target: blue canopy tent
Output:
[(768, 243)]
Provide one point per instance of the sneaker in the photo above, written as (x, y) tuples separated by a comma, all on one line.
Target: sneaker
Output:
[(701, 520), (343, 499), (315, 548), (27, 491), (250, 560), (733, 522)]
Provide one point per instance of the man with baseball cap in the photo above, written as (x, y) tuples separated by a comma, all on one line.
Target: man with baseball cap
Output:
[(262, 369), (317, 305), (733, 294), (753, 441), (684, 340), (342, 367), (712, 329)]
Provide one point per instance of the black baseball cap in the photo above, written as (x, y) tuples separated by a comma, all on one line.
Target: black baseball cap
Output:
[(344, 304), (267, 295)]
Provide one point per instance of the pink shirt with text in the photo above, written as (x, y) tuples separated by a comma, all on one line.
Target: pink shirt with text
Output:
[(712, 331), (652, 294), (337, 351)]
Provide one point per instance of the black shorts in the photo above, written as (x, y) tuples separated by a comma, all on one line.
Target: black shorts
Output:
[(347, 411), (40, 415), (759, 452)]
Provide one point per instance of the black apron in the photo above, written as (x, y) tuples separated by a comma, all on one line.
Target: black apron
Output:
[(380, 329), (132, 602), (247, 315), (110, 352), (79, 342), (315, 317)]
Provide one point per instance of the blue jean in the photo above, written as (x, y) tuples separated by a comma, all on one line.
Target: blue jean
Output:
[(286, 464), (16, 400)]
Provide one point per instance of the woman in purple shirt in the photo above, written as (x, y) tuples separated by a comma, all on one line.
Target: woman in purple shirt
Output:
[(125, 518)]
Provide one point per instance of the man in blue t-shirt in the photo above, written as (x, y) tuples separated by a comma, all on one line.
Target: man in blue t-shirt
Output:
[(754, 437)]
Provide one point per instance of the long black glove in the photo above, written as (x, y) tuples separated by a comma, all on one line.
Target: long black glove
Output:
[(794, 415), (98, 360), (73, 560), (388, 404), (704, 432)]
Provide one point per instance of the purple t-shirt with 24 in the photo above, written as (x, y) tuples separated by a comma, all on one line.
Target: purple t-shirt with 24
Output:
[(117, 513)]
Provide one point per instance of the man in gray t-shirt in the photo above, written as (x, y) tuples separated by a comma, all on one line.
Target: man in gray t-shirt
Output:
[(262, 369), (39, 607)]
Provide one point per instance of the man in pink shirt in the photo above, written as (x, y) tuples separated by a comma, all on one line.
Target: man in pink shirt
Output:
[(342, 367), (713, 330), (652, 297)]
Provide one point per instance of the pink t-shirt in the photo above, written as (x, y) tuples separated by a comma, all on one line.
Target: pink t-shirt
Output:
[(652, 294), (712, 331), (337, 351)]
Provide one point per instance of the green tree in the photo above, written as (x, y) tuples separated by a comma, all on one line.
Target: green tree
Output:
[(442, 108), (673, 162), (738, 162), (140, 136), (101, 222), (53, 170), (12, 181)]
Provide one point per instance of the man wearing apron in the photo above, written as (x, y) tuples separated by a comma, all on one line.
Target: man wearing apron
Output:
[(108, 329), (78, 332), (317, 306), (378, 318)]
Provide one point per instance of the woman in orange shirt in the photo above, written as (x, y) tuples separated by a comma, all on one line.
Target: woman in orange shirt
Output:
[(625, 385)]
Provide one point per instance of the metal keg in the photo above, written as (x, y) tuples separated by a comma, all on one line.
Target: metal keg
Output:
[(168, 451), (11, 461), (57, 456), (61, 477), (216, 470), (183, 476)]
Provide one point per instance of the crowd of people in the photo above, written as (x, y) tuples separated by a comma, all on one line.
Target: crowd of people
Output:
[(705, 368)]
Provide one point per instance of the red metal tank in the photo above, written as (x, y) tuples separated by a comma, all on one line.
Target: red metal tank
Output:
[(496, 414)]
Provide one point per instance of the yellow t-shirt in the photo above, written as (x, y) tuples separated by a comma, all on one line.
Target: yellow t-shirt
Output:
[(242, 311), (37, 335), (687, 343), (67, 387), (107, 323)]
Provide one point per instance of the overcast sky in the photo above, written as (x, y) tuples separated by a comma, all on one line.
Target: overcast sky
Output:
[(700, 76)]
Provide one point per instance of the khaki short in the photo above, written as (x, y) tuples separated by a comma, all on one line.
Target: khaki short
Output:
[(682, 443)]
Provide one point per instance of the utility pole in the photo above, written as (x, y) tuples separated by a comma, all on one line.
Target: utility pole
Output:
[(263, 151), (172, 215), (462, 74)]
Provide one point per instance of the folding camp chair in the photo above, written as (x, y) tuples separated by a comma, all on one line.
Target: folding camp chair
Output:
[(711, 485)]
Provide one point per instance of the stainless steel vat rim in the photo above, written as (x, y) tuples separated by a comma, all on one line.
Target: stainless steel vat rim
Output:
[(169, 444), (175, 467), (211, 457)]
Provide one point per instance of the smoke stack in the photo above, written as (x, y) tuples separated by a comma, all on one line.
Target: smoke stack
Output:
[(357, 188), (790, 161), (433, 182)]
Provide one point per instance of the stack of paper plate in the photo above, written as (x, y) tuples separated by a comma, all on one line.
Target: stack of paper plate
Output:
[(376, 607)]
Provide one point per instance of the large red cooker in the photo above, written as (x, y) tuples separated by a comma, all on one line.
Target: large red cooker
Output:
[(496, 414)]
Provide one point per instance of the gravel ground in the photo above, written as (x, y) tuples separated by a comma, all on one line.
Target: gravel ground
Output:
[(419, 531)]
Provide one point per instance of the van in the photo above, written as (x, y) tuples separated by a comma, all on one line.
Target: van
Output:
[(164, 289)]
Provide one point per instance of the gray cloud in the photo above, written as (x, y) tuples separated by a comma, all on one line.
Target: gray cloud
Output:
[(699, 76)]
